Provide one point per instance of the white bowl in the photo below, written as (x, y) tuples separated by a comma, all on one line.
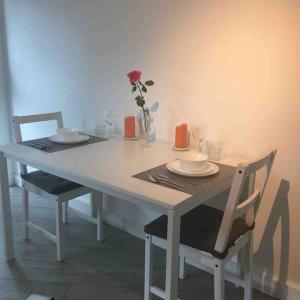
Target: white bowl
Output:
[(193, 161), (67, 133)]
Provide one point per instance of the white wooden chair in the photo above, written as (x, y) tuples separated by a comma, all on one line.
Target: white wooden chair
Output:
[(211, 237), (54, 188)]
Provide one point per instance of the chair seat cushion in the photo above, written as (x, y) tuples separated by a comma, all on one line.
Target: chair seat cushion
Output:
[(49, 183), (199, 229)]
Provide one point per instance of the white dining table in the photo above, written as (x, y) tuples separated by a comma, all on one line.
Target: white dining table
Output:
[(108, 167)]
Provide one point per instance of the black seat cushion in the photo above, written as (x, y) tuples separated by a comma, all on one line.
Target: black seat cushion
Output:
[(199, 229), (49, 183)]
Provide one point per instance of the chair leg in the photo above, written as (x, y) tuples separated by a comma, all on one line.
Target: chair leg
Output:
[(248, 289), (182, 268), (98, 198), (59, 231), (219, 288), (25, 214), (65, 215), (148, 267)]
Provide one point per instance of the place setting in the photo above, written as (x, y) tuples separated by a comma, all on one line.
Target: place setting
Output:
[(190, 173), (193, 164), (65, 138)]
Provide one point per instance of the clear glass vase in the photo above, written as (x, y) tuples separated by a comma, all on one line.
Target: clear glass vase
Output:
[(147, 119)]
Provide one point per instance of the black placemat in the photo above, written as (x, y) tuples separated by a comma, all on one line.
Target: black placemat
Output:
[(198, 183), (51, 147)]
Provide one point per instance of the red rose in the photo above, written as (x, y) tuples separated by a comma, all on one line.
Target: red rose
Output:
[(134, 76)]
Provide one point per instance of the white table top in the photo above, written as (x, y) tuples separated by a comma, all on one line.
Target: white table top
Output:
[(109, 164)]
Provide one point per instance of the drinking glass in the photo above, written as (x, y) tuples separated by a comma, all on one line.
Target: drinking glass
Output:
[(100, 129), (214, 149), (197, 136), (110, 119)]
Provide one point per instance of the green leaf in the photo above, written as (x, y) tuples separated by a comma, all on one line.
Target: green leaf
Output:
[(140, 102), (149, 82), (134, 89), (132, 83), (144, 89), (137, 98)]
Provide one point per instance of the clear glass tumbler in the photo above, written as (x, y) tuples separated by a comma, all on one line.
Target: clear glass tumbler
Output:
[(214, 149), (100, 129)]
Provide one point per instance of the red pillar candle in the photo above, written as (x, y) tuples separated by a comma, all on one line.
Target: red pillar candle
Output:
[(181, 136), (129, 126)]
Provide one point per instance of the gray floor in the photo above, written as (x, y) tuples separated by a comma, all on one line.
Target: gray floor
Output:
[(112, 269)]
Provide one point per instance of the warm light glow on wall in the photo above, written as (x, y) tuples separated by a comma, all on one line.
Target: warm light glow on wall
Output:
[(231, 66)]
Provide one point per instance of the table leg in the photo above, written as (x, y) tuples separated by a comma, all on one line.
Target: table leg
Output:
[(6, 210), (98, 199), (93, 206), (172, 268)]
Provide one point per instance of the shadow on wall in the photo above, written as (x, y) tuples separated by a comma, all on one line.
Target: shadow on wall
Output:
[(279, 215)]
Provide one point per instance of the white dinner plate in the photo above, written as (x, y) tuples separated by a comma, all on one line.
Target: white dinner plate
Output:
[(174, 166), (81, 138)]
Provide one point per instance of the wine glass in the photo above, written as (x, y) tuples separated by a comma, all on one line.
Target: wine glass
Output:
[(197, 137), (110, 119)]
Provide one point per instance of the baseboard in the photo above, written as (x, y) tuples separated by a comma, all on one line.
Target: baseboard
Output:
[(124, 224), (112, 219), (17, 180), (11, 180), (275, 288)]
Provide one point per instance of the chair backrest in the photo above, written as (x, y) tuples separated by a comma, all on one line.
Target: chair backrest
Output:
[(18, 120), (247, 208)]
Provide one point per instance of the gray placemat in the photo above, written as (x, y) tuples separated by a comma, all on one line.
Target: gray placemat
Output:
[(195, 185), (44, 144)]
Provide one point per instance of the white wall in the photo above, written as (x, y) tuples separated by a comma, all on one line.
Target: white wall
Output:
[(232, 66), (4, 109), (5, 136)]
